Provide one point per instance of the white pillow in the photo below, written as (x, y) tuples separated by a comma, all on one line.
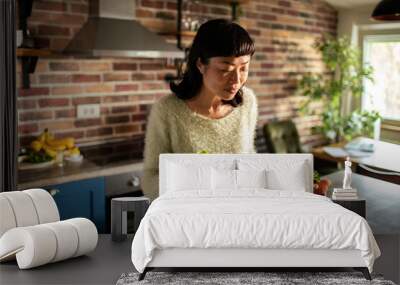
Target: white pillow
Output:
[(223, 179), (290, 179), (203, 162), (226, 179), (251, 178), (282, 174), (183, 178)]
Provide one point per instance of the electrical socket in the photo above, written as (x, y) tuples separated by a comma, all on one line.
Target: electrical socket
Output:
[(88, 111)]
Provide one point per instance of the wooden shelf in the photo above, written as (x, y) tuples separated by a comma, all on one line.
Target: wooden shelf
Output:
[(240, 2), (25, 52), (184, 38), (188, 34), (29, 58)]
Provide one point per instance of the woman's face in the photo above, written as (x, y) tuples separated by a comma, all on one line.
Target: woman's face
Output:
[(224, 76)]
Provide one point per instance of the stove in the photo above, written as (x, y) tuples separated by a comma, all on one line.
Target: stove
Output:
[(115, 152), (119, 185)]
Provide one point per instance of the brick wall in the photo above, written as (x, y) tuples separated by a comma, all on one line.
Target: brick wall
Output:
[(283, 31)]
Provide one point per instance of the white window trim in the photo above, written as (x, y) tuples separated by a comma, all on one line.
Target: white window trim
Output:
[(350, 103), (367, 39)]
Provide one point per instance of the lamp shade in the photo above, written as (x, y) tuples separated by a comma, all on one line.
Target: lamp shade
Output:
[(387, 10)]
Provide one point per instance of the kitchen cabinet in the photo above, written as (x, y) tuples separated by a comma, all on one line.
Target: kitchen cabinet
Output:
[(83, 198)]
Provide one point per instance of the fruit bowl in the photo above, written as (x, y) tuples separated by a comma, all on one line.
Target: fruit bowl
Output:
[(30, 165), (46, 149), (74, 158)]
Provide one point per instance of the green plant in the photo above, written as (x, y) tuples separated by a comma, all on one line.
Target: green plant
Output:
[(38, 157), (316, 176), (344, 77)]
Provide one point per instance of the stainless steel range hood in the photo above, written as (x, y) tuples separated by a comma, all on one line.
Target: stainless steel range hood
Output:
[(111, 31)]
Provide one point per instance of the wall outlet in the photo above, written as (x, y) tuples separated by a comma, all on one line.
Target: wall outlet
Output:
[(88, 111)]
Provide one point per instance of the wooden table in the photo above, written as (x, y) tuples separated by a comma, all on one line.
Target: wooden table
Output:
[(383, 163), (319, 152)]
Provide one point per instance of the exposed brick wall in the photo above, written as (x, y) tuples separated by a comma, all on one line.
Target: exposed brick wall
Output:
[(284, 32)]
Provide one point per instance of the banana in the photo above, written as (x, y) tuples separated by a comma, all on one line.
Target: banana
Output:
[(51, 152), (55, 147), (47, 141), (72, 152), (47, 135), (75, 151), (36, 145), (42, 137), (68, 142)]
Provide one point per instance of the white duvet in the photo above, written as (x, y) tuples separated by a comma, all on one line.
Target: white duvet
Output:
[(250, 219)]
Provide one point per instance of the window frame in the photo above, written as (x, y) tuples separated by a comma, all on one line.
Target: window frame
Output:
[(369, 39), (390, 129)]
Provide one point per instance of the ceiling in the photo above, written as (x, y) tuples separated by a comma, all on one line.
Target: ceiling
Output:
[(346, 4)]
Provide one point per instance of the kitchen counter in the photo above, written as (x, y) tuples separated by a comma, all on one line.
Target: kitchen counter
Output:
[(99, 160)]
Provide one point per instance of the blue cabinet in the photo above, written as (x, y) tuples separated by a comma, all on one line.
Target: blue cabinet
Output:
[(83, 198)]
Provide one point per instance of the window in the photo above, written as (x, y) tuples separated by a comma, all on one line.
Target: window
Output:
[(382, 94)]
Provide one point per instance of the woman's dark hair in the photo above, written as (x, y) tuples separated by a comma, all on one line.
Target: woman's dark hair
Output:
[(217, 37)]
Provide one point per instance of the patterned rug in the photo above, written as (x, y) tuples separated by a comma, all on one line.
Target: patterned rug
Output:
[(243, 278)]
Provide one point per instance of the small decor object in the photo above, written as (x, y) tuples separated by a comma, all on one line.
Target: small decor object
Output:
[(347, 192), (360, 144), (192, 21), (347, 174), (321, 186)]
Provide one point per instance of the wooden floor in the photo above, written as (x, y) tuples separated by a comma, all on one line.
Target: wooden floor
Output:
[(110, 259)]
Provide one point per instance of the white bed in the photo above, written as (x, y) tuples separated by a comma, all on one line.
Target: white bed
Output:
[(215, 211)]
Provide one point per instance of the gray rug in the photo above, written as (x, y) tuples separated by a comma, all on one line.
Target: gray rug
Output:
[(242, 278)]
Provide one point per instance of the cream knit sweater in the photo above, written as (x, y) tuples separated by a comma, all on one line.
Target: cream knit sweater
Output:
[(174, 128)]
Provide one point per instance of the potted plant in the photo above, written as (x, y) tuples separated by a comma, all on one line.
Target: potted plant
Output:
[(321, 185), (345, 77)]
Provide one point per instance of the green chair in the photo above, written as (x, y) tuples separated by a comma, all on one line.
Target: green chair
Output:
[(282, 137)]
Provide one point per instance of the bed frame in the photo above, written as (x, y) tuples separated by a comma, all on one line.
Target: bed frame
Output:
[(242, 259), (249, 259)]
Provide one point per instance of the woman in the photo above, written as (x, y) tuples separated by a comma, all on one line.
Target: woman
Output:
[(210, 109)]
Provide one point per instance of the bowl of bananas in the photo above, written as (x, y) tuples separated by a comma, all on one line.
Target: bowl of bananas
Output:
[(46, 149)]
